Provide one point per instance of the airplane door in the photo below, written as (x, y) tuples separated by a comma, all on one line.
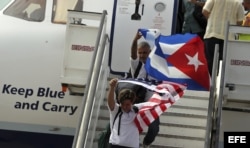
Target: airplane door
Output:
[(128, 17)]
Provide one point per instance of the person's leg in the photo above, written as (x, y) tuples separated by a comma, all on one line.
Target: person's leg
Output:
[(209, 52), (152, 132), (221, 46)]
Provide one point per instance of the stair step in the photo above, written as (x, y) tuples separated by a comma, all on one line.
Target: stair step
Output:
[(199, 122), (193, 103), (187, 112), (170, 130), (175, 142), (200, 94), (170, 142), (166, 121)]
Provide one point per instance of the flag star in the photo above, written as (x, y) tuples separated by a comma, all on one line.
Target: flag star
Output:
[(194, 61)]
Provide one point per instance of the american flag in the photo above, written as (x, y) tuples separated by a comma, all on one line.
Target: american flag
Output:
[(165, 95)]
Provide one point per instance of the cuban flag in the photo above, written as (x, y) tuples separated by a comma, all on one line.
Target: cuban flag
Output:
[(164, 95), (178, 58)]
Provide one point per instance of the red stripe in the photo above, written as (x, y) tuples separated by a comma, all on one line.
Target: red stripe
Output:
[(154, 113), (144, 117), (163, 107), (137, 123)]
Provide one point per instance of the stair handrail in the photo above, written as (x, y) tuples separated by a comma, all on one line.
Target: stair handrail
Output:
[(212, 99), (220, 97), (81, 134)]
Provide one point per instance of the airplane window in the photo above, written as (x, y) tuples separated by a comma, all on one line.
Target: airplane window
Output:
[(3, 3), (30, 10), (60, 9)]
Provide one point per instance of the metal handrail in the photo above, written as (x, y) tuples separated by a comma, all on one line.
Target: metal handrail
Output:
[(220, 98), (212, 99), (81, 135)]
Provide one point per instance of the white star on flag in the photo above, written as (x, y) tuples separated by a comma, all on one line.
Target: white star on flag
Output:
[(194, 61)]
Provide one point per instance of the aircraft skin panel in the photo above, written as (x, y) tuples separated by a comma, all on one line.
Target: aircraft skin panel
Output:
[(31, 64)]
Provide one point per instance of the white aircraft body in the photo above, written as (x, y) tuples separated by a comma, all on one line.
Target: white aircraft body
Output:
[(32, 44)]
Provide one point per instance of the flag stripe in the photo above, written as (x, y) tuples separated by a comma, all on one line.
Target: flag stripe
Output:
[(158, 103), (169, 49)]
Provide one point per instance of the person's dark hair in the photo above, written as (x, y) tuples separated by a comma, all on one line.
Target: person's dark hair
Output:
[(126, 94)]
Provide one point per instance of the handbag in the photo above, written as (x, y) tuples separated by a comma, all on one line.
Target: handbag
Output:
[(200, 18)]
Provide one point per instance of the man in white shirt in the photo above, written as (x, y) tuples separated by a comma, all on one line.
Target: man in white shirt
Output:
[(140, 53)]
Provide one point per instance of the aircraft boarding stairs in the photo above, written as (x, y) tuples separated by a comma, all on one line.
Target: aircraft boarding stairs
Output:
[(187, 124)]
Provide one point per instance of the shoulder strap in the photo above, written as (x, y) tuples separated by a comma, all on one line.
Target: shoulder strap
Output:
[(119, 110), (138, 68)]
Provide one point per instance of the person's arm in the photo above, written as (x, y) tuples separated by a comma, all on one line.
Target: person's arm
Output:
[(207, 8), (134, 45), (205, 13), (111, 93)]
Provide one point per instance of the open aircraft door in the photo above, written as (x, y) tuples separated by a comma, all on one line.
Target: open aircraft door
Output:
[(128, 17), (82, 36)]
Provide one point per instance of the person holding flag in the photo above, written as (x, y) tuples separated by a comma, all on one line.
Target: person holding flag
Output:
[(124, 133), (139, 55), (130, 119)]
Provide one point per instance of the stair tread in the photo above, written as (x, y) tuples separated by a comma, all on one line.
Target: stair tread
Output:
[(171, 130), (201, 94), (183, 121), (164, 142), (192, 103), (175, 142)]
